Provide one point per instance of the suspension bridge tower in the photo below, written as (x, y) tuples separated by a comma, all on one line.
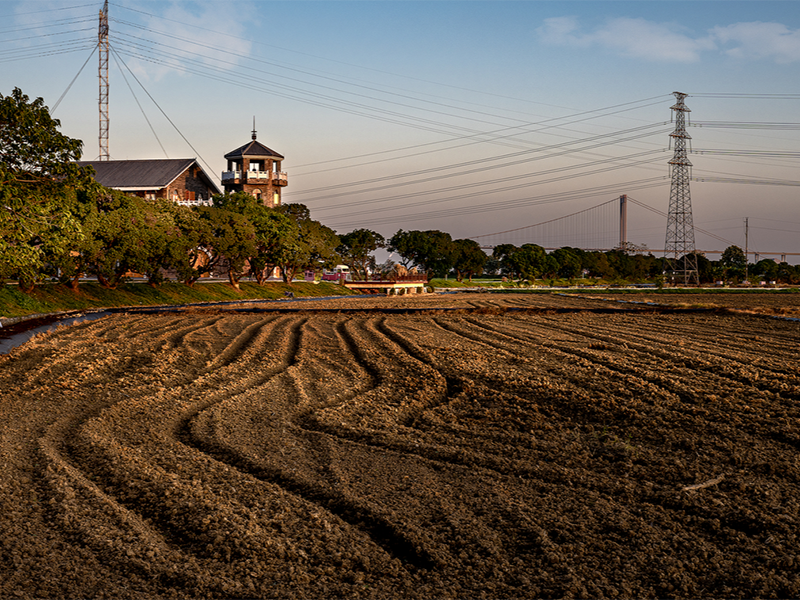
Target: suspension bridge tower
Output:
[(102, 45), (680, 252)]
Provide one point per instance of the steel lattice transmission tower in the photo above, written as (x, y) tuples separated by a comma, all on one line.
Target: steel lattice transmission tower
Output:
[(680, 252), (102, 44)]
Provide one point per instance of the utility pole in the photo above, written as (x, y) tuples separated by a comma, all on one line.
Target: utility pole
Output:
[(623, 222), (680, 252), (746, 249), (102, 44)]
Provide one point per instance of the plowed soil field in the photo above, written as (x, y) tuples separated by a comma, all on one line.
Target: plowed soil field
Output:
[(518, 447)]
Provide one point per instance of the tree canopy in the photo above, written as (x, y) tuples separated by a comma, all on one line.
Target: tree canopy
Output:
[(39, 180), (356, 249), (432, 251)]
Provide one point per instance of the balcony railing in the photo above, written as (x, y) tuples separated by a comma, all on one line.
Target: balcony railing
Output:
[(277, 177)]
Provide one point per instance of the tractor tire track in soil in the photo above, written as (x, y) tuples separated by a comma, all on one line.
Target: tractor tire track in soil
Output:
[(520, 446)]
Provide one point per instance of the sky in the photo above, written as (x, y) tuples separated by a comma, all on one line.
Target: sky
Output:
[(471, 117)]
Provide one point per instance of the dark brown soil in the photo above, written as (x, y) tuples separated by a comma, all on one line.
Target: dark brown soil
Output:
[(564, 450)]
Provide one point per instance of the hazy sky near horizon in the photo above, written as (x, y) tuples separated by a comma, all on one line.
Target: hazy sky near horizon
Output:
[(470, 117)]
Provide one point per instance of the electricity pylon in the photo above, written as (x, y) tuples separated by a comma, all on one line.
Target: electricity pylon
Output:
[(102, 44), (680, 253)]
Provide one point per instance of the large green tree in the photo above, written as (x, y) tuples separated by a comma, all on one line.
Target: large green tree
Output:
[(192, 246), (276, 233), (733, 262), (469, 259), (356, 249), (233, 238), (568, 263), (504, 255), (128, 238), (38, 184), (432, 251), (531, 261), (314, 246)]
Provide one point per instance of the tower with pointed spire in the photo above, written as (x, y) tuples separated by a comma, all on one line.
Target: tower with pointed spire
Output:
[(256, 170)]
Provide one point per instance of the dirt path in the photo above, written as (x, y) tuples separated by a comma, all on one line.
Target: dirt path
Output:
[(558, 452)]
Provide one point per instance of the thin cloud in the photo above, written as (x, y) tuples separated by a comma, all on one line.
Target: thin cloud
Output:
[(197, 29), (636, 38), (639, 38), (759, 40)]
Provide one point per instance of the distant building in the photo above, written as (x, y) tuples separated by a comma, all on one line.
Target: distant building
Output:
[(256, 170), (181, 180)]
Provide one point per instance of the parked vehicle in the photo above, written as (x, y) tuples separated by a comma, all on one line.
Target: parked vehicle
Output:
[(337, 273)]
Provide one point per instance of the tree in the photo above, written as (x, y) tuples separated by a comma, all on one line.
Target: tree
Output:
[(733, 262), (126, 236), (504, 255), (192, 247), (469, 259), (432, 251), (74, 259), (314, 247), (275, 232), (356, 250), (598, 265), (569, 265), (705, 268), (38, 183), (404, 244), (530, 261), (767, 268), (234, 240)]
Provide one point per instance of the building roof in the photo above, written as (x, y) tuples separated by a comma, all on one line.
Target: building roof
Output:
[(253, 149), (149, 174)]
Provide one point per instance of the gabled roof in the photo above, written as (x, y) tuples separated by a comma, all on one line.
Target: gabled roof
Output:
[(253, 149), (151, 174)]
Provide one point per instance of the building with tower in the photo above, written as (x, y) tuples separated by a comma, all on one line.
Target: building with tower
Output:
[(256, 170), (181, 180)]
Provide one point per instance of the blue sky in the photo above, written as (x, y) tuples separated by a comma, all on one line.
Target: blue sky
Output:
[(469, 117)]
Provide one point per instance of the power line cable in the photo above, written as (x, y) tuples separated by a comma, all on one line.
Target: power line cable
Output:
[(483, 169), (740, 96), (517, 203), (544, 222), (44, 35), (55, 106), (746, 125), (47, 10), (428, 202), (415, 154), (210, 170), (273, 47), (663, 214), (122, 72), (56, 23)]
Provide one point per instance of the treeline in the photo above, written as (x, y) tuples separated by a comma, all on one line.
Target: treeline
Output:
[(114, 235), (437, 254), (57, 222)]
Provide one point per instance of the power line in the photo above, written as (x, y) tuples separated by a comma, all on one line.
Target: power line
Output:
[(746, 125), (60, 98), (519, 202), (47, 10), (758, 153), (428, 202), (781, 182), (483, 162), (210, 170), (122, 72), (580, 212), (739, 96), (663, 214)]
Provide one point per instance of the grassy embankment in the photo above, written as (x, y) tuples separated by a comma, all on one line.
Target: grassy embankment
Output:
[(54, 298)]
